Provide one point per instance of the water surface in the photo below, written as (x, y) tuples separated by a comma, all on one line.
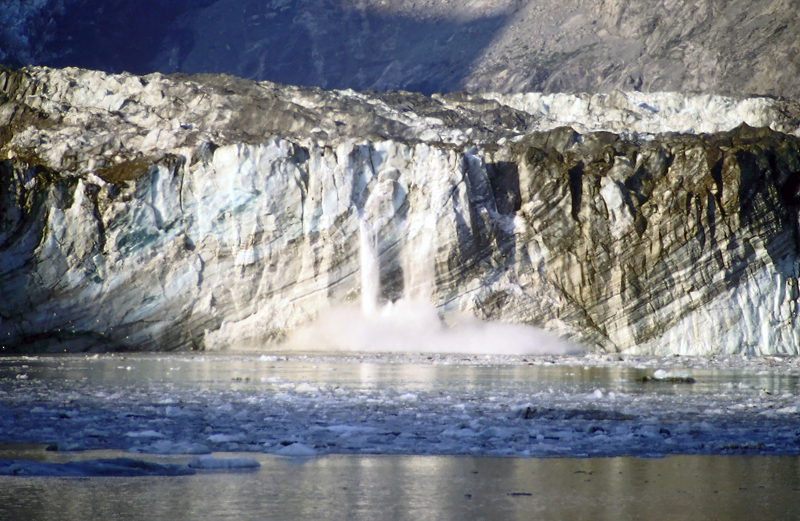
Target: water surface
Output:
[(400, 404), (427, 487)]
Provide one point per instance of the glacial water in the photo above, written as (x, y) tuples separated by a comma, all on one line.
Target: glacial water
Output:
[(428, 488), (401, 436), (488, 405)]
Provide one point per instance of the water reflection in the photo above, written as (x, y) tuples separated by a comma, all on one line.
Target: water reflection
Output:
[(242, 372), (428, 487)]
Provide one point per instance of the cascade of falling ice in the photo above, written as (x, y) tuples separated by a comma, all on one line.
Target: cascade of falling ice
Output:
[(370, 276), (418, 276), (419, 272), (412, 323)]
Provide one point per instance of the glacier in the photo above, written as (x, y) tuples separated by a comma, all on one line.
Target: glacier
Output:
[(208, 212)]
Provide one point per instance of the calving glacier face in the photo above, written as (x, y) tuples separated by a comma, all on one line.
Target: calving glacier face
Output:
[(212, 213)]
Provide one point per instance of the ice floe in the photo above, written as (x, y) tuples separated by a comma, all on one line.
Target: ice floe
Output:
[(306, 406)]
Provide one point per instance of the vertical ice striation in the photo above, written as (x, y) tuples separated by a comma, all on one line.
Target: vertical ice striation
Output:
[(419, 261), (370, 277)]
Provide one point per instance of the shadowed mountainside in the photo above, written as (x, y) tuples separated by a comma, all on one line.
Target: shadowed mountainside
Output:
[(730, 47), (320, 43)]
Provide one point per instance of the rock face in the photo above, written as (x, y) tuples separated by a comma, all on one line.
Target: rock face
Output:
[(731, 47), (207, 212)]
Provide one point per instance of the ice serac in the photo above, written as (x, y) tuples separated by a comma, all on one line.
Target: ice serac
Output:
[(207, 212)]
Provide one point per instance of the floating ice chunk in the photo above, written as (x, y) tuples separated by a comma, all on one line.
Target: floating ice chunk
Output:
[(652, 432), (185, 447), (144, 434), (460, 433), (349, 430), (408, 397), (498, 432), (306, 388), (159, 447), (225, 438), (267, 358), (297, 450), (174, 412), (596, 395), (705, 426), (22, 376), (525, 411), (661, 375), (39, 410), (211, 463)]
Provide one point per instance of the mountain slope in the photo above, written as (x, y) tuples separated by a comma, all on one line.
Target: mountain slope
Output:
[(731, 47)]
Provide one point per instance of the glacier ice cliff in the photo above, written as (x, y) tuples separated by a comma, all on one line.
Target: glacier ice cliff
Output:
[(208, 212)]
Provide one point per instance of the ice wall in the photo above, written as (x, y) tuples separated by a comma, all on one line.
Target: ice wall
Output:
[(210, 213)]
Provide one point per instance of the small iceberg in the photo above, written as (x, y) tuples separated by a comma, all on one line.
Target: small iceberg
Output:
[(661, 375), (297, 450)]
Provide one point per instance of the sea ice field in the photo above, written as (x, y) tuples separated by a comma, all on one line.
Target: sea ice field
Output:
[(306, 405)]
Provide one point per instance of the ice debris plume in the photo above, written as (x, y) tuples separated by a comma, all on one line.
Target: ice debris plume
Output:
[(414, 327), (413, 324)]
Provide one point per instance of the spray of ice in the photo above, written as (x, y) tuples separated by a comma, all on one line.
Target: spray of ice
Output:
[(412, 324)]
